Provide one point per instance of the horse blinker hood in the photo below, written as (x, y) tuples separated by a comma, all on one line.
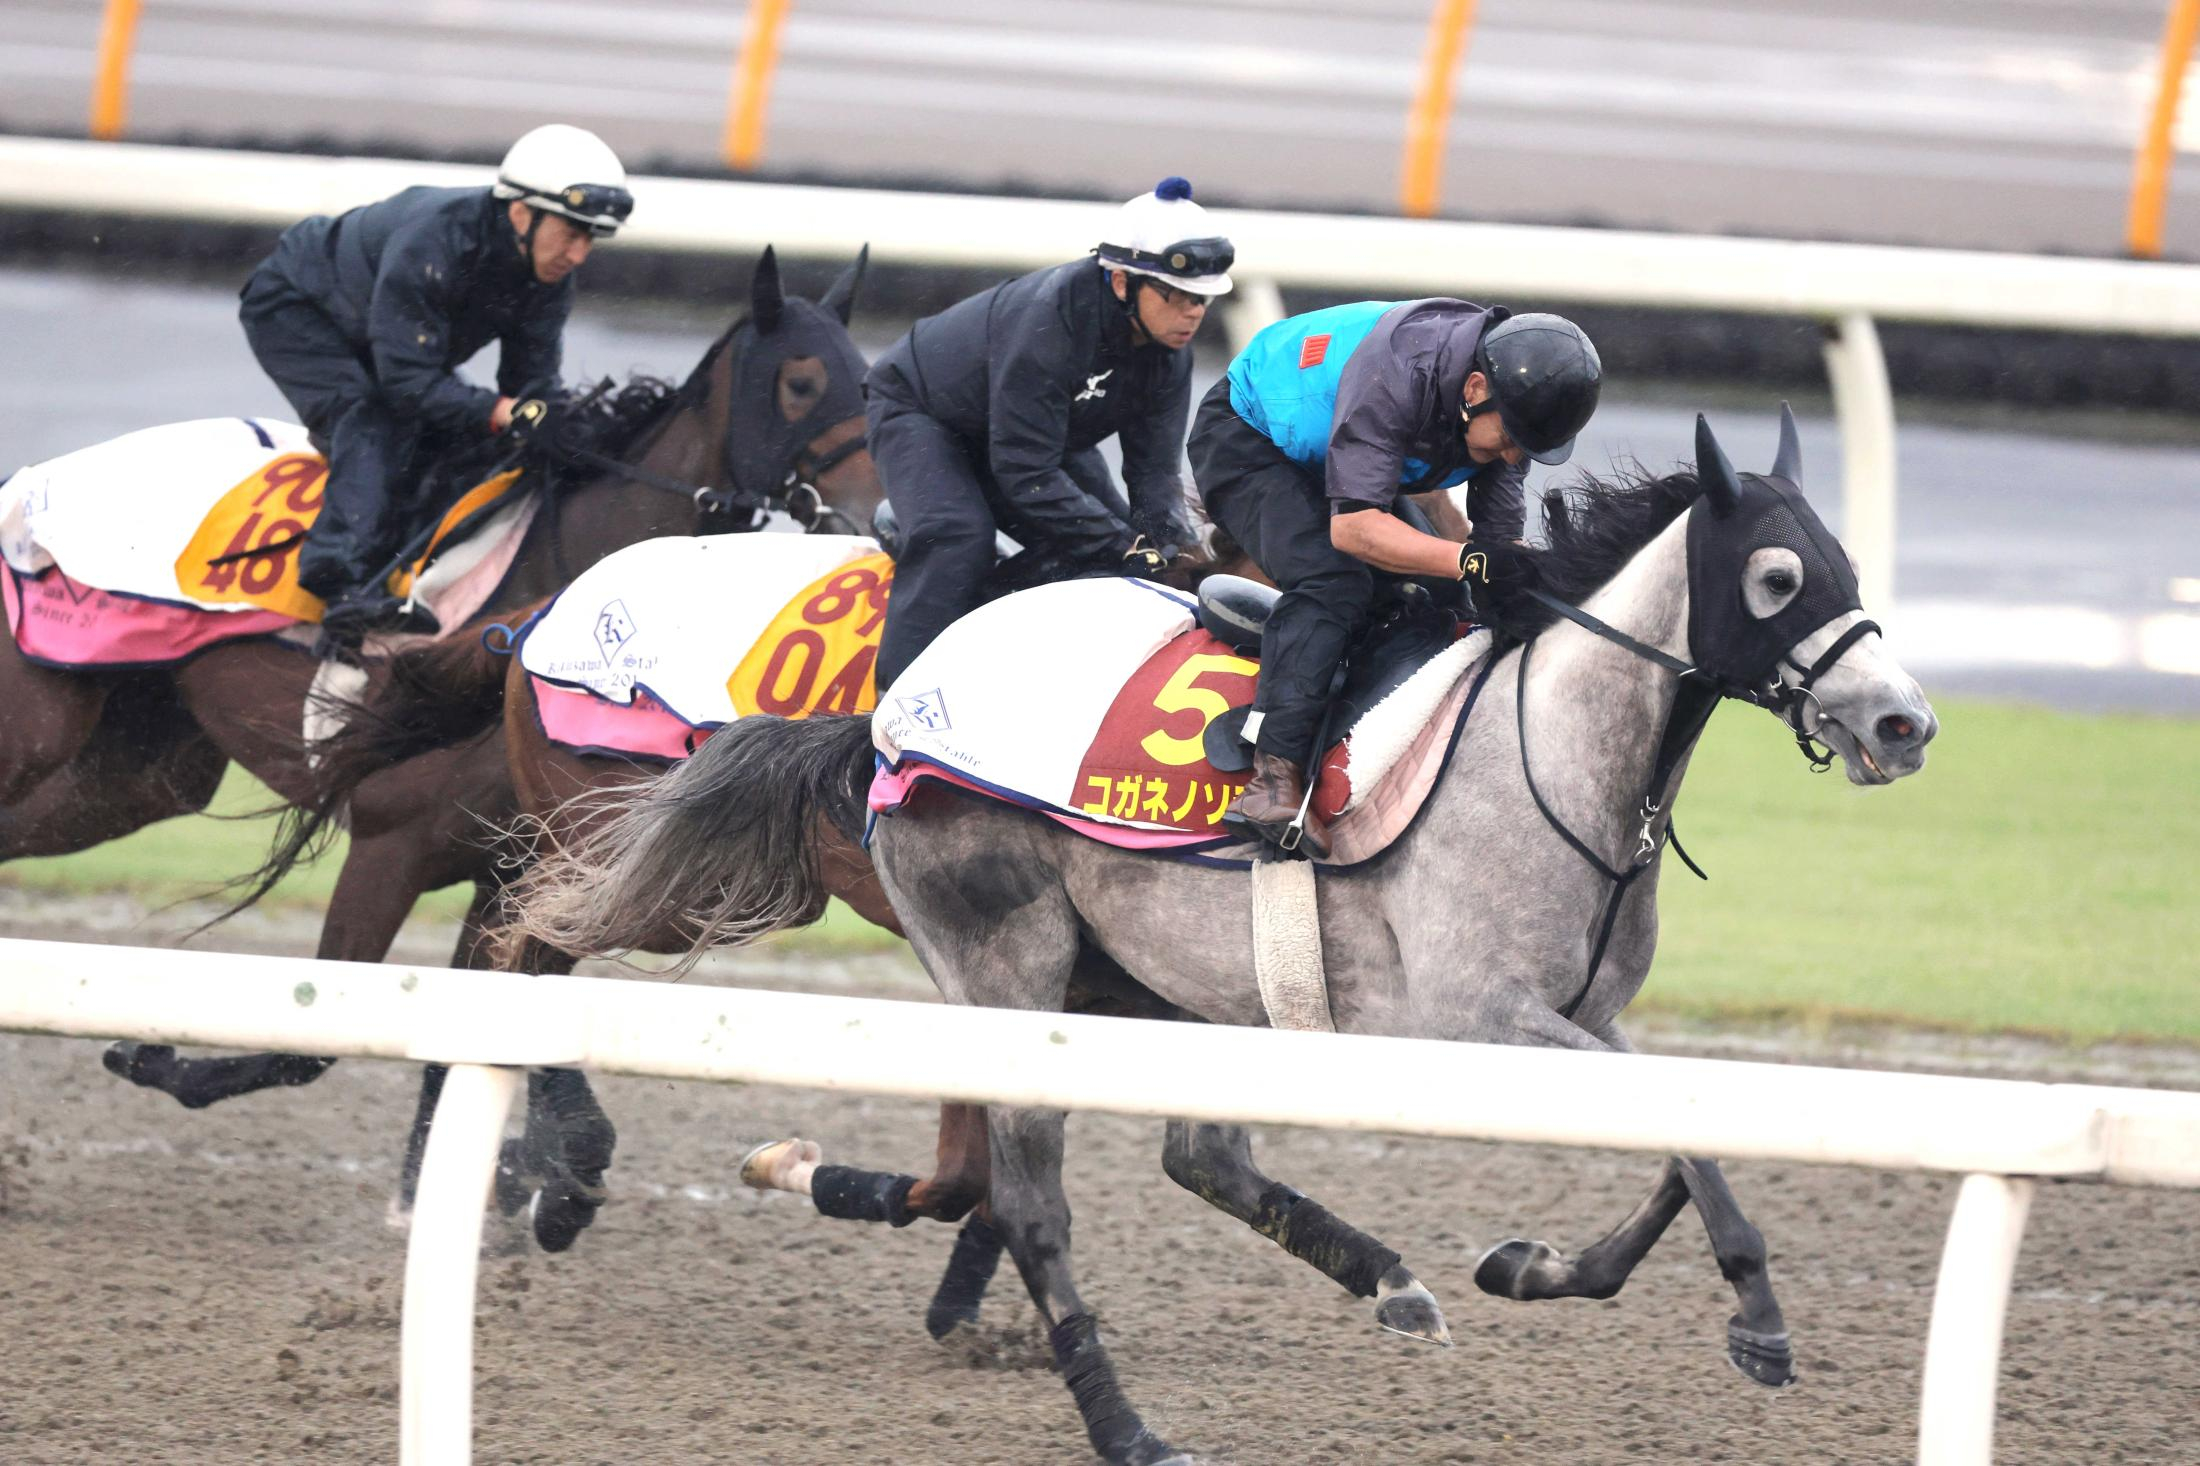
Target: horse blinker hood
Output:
[(1738, 515), (757, 461)]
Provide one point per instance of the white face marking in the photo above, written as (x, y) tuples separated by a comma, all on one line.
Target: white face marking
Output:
[(1772, 578)]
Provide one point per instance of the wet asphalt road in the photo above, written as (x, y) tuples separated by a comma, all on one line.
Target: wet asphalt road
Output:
[(2002, 124), (2055, 560)]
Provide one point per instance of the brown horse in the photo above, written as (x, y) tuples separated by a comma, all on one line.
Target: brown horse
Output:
[(771, 414)]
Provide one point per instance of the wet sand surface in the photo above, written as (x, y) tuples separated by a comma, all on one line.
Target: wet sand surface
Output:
[(221, 1286)]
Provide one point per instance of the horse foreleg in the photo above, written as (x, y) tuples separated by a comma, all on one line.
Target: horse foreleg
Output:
[(1215, 1163), (1530, 1271), (1757, 1336)]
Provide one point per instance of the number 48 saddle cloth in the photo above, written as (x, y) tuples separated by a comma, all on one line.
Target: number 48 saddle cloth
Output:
[(148, 548)]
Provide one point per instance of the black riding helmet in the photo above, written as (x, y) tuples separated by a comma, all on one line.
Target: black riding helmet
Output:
[(1544, 376)]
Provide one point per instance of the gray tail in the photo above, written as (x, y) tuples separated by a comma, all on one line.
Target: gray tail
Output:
[(718, 851)]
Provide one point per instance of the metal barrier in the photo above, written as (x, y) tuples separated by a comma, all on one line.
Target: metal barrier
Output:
[(1847, 287), (1998, 1134)]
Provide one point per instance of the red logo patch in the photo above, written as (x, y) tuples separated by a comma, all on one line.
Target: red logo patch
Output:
[(1312, 350)]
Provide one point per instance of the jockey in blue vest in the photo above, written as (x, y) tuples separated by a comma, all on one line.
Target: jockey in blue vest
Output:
[(1304, 451)]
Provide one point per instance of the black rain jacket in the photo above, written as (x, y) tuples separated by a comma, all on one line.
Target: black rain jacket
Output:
[(422, 281), (1040, 368)]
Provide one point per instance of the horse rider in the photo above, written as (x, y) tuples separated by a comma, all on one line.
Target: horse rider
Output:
[(363, 319), (988, 414), (1302, 453)]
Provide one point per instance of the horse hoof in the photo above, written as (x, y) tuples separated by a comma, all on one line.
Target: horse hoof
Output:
[(562, 1210), (943, 1323), (1765, 1358), (142, 1064), (1503, 1270), (769, 1166), (1414, 1313)]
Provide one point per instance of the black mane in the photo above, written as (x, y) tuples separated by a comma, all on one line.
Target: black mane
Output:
[(1593, 526)]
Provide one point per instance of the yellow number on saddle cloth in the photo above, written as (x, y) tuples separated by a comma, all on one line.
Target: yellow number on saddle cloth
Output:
[(246, 549), (820, 653), (1148, 762)]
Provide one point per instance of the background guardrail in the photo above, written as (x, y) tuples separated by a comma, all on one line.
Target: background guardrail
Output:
[(1997, 1134), (1845, 287)]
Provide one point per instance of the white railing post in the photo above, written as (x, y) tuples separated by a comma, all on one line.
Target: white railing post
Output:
[(436, 1378), (1963, 1347), (1251, 305), (1864, 405)]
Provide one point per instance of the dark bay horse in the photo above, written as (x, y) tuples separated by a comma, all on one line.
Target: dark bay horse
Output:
[(482, 698), (772, 411), (1538, 852)]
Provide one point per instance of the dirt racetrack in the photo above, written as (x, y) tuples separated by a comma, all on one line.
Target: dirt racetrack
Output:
[(219, 1287)]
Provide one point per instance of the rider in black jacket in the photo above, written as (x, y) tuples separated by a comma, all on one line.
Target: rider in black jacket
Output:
[(988, 414), (363, 319)]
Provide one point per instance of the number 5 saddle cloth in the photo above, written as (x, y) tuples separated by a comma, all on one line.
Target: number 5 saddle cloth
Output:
[(1091, 702), (149, 547), (659, 644)]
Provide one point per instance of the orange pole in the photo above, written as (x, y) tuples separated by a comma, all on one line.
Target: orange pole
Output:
[(752, 83), (111, 83), (1426, 124), (2150, 173)]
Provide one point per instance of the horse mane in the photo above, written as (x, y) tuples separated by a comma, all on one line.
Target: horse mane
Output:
[(1594, 526)]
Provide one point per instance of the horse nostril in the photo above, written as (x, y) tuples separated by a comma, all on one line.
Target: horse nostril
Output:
[(1894, 728)]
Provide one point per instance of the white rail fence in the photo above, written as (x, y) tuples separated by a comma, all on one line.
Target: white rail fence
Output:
[(1998, 1135), (1845, 287)]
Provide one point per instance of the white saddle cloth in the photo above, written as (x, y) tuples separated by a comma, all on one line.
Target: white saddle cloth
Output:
[(675, 616), (117, 514)]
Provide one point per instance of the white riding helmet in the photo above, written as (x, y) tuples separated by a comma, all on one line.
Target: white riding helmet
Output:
[(569, 171), (1165, 235)]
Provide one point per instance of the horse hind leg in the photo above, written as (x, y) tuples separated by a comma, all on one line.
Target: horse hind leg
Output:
[(1215, 1163)]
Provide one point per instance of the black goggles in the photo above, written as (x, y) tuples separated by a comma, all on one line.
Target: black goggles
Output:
[(603, 207), (1187, 259)]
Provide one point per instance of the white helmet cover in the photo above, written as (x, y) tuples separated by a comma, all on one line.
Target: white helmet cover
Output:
[(1166, 235), (569, 171)]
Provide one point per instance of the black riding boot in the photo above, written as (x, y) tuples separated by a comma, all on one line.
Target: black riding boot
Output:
[(1269, 804)]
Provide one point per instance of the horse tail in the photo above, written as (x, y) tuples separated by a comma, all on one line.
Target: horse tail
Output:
[(434, 696), (720, 850)]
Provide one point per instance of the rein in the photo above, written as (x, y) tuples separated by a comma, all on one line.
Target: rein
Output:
[(1699, 697), (797, 493)]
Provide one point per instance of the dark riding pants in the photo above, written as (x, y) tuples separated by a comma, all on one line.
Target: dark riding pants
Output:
[(946, 506), (1279, 512), (375, 457)]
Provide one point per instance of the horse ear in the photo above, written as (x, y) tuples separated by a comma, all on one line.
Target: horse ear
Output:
[(1788, 462), (841, 298), (767, 302), (1715, 473)]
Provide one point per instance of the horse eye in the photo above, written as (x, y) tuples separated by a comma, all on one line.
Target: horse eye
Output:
[(1780, 582)]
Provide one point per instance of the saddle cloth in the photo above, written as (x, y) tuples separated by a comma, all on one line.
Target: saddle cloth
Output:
[(1089, 700), (657, 645), (117, 553)]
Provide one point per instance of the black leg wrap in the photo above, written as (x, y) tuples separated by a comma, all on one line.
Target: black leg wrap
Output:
[(1312, 1233), (862, 1196), (1118, 1435), (962, 1287)]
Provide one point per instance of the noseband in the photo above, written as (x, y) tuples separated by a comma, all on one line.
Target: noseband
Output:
[(796, 494)]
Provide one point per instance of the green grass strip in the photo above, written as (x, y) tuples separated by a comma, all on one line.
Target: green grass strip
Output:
[(2040, 876)]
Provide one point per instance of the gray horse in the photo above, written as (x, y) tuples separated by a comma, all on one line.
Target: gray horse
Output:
[(1536, 858)]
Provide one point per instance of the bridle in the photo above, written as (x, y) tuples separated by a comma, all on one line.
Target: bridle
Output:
[(1701, 692), (796, 493)]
